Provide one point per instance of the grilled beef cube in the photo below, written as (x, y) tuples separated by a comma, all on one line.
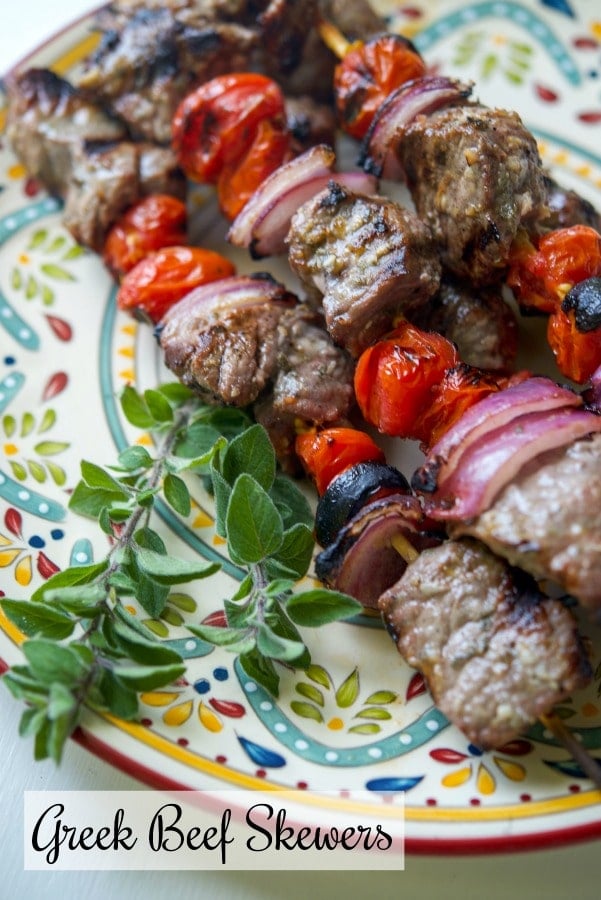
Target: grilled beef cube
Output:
[(495, 652), (222, 340), (310, 123), (356, 20), (283, 26), (548, 520), (313, 385), (48, 119), (478, 321), (106, 179), (568, 208), (365, 259), (115, 15), (475, 177), (143, 70)]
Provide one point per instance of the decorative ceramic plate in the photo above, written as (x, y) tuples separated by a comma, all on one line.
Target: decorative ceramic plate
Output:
[(363, 721)]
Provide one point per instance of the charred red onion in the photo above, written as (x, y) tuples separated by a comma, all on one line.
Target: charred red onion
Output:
[(536, 394), (593, 394), (419, 97), (490, 462), (373, 549), (264, 222)]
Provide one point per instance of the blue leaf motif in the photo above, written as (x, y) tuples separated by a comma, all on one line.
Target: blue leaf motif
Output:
[(261, 755), (561, 6), (384, 785), (570, 768)]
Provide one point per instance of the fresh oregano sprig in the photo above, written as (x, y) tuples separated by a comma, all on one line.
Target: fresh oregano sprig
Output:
[(268, 526), (85, 648)]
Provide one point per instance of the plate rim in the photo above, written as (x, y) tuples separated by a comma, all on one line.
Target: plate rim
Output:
[(436, 846)]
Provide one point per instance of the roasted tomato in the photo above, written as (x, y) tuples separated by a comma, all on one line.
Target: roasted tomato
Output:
[(154, 222), (461, 387), (367, 73), (215, 125), (162, 278), (395, 379), (542, 275), (574, 331), (239, 180), (325, 454)]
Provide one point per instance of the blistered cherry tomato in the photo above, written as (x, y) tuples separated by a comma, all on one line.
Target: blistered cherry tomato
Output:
[(325, 454), (162, 278), (239, 180), (395, 378), (156, 221), (368, 73), (541, 275), (574, 331), (214, 126), (461, 387)]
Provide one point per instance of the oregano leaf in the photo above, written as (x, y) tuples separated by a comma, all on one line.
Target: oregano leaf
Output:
[(253, 525)]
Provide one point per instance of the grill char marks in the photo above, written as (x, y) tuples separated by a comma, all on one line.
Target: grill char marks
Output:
[(547, 521), (475, 177), (478, 321), (365, 260), (496, 653)]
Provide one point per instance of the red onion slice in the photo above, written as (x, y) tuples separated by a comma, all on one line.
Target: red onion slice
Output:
[(264, 222), (593, 394), (491, 462), (419, 97), (236, 292), (537, 394)]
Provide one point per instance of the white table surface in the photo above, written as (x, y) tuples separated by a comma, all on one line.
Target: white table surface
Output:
[(572, 871)]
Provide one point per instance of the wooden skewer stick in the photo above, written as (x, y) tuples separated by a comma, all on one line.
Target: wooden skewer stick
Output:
[(589, 765), (334, 39)]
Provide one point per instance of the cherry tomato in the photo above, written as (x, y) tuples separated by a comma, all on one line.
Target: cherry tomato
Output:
[(575, 336), (327, 453), (238, 181), (156, 221), (461, 387), (541, 276), (367, 74), (215, 125), (162, 278), (395, 378)]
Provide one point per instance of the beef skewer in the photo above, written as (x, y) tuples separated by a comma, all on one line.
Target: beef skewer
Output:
[(83, 155), (496, 652), (246, 341)]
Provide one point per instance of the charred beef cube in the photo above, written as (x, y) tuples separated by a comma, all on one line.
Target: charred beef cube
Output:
[(310, 123), (366, 260), (222, 340), (475, 177), (106, 179), (48, 120), (548, 520), (142, 69), (567, 208), (495, 652), (313, 384), (477, 320)]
